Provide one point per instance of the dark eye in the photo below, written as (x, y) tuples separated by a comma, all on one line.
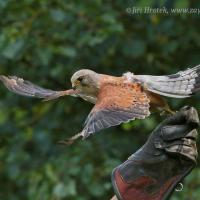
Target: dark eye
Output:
[(80, 79)]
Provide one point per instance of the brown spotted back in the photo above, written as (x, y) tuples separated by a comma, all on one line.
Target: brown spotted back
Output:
[(116, 103)]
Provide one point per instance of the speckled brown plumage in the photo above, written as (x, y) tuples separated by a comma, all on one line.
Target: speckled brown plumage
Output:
[(117, 102)]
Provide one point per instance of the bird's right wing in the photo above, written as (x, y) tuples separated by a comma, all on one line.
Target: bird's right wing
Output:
[(180, 85), (116, 103), (26, 88)]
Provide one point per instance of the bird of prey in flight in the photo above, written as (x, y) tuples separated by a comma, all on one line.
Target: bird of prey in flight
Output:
[(117, 99)]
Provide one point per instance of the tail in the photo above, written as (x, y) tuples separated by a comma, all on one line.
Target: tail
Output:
[(180, 85)]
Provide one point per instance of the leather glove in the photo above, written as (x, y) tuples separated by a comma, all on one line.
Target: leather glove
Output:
[(170, 153)]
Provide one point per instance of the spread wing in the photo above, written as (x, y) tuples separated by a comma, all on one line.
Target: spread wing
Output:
[(180, 85), (116, 104), (26, 88)]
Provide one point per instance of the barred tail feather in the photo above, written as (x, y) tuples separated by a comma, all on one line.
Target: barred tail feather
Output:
[(180, 85)]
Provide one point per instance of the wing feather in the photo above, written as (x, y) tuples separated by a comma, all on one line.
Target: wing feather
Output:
[(180, 85), (26, 88), (116, 103)]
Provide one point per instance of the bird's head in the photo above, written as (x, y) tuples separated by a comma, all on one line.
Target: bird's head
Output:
[(86, 81)]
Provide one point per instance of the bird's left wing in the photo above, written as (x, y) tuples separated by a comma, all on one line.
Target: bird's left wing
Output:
[(180, 85), (116, 104), (26, 88)]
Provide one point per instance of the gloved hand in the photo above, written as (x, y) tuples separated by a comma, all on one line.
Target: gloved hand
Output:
[(170, 153)]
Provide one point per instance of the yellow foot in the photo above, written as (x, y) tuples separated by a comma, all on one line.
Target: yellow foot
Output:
[(167, 111), (171, 111)]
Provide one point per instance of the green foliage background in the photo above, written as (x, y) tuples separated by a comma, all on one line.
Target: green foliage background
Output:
[(46, 41)]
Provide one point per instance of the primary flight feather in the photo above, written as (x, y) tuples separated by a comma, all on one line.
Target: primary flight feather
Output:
[(116, 99)]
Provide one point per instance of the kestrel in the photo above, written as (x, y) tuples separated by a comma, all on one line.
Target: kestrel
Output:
[(116, 99)]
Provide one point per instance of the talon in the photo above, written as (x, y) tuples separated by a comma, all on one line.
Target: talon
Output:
[(163, 113), (169, 111)]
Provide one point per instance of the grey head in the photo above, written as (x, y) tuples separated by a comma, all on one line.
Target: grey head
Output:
[(87, 82)]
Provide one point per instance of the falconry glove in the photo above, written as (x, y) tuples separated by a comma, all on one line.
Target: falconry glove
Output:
[(155, 170)]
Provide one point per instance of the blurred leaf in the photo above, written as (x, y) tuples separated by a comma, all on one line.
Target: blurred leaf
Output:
[(143, 3), (14, 49), (181, 3), (60, 190), (58, 15), (3, 4), (67, 51), (135, 48)]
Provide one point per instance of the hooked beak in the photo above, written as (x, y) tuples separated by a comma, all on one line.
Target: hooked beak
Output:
[(75, 84)]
